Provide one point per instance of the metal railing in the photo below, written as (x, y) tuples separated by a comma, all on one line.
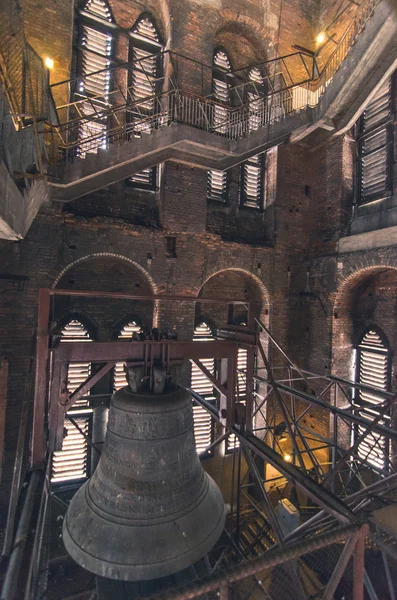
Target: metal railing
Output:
[(22, 73), (92, 122)]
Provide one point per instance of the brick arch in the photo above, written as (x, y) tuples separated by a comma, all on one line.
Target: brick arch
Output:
[(349, 291), (243, 32), (236, 283), (158, 9), (107, 272), (254, 278), (106, 255)]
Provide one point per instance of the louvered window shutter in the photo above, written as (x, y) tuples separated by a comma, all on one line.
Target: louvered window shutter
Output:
[(373, 368), (203, 422), (375, 147), (251, 185), (217, 185), (217, 188), (252, 171), (71, 463), (96, 50), (119, 378), (145, 79)]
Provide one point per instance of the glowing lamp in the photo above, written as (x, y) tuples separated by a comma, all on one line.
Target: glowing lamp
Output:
[(287, 457), (49, 62), (320, 38)]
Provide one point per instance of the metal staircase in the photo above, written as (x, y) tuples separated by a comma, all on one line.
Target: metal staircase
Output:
[(95, 140)]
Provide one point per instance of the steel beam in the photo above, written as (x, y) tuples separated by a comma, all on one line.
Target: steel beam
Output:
[(123, 351), (326, 499), (340, 567), (41, 381), (354, 418)]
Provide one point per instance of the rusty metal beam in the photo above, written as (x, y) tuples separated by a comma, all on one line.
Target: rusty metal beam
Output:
[(358, 565), (324, 498), (340, 567), (217, 385), (87, 385), (41, 381), (130, 351), (354, 418), (143, 297), (243, 570)]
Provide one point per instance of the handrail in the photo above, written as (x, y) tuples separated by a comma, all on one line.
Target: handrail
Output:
[(92, 122)]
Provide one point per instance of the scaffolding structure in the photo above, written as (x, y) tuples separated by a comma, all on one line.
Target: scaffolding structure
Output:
[(344, 504)]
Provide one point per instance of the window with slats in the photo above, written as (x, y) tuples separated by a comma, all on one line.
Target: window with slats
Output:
[(119, 378), (144, 82), (252, 170), (96, 41), (71, 463), (203, 422), (251, 182), (373, 369), (375, 147), (217, 188), (232, 442)]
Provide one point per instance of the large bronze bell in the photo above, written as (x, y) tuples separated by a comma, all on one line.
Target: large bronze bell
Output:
[(150, 509)]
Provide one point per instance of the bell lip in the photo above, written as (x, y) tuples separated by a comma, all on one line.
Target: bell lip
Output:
[(142, 572)]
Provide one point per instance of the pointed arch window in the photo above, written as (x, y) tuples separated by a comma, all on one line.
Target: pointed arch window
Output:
[(145, 80), (203, 422), (373, 369), (217, 188), (252, 170), (126, 333), (94, 58), (71, 464)]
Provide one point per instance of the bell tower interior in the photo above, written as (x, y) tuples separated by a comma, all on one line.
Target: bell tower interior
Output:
[(198, 277)]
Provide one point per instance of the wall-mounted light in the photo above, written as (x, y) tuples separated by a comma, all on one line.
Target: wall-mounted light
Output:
[(287, 457), (49, 62), (320, 38)]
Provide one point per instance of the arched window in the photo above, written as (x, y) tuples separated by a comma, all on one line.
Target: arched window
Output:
[(71, 464), (126, 333), (203, 423), (373, 369), (95, 47), (221, 74), (252, 171), (145, 80)]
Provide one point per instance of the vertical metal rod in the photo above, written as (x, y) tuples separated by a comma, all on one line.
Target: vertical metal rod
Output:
[(340, 567), (388, 575), (223, 592), (12, 577), (238, 500), (40, 392), (358, 565), (17, 471)]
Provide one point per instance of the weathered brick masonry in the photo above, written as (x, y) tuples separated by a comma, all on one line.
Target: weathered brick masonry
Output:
[(316, 299)]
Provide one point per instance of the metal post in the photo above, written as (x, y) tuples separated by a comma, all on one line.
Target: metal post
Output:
[(358, 565), (340, 567), (40, 392), (12, 577)]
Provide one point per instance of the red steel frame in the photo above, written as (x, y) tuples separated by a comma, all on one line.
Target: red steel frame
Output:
[(51, 398)]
